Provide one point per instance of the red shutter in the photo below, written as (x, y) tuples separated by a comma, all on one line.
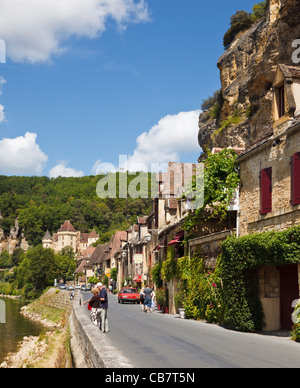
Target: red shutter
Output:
[(266, 190), (295, 179)]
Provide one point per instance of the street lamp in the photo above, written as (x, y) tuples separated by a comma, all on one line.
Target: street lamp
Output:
[(148, 237), (123, 254)]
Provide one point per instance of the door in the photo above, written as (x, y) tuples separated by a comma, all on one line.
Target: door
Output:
[(289, 291)]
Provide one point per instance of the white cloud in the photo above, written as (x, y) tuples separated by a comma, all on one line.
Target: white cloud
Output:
[(22, 156), (2, 114), (62, 170), (166, 141), (35, 30)]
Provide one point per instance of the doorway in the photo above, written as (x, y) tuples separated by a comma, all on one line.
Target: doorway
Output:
[(289, 291)]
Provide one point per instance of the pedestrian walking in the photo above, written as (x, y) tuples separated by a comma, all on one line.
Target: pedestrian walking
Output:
[(103, 308), (153, 300), (94, 304), (142, 299), (148, 299)]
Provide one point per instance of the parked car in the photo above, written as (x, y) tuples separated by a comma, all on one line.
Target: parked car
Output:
[(83, 288), (62, 286), (71, 288), (128, 294), (77, 287)]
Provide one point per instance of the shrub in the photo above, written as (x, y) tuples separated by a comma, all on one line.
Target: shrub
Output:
[(240, 21)]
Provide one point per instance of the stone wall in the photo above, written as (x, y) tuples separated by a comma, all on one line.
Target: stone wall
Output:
[(90, 347), (283, 215)]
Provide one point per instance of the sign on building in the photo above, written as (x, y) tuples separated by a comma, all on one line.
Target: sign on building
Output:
[(138, 258)]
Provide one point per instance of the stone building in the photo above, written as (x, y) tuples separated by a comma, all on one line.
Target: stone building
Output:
[(67, 236), (270, 192)]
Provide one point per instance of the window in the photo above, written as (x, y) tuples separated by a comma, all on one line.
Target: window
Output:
[(281, 102), (295, 179), (266, 190)]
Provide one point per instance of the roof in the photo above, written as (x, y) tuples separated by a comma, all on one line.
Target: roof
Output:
[(290, 71), (100, 253), (80, 269), (116, 242), (88, 252), (67, 227), (265, 135), (142, 220), (47, 236), (93, 234)]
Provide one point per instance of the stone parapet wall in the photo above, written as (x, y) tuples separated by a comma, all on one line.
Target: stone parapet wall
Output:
[(89, 346)]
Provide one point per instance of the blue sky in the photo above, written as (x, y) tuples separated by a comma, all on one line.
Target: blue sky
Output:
[(83, 85)]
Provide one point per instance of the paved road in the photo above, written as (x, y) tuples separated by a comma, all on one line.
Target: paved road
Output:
[(159, 340)]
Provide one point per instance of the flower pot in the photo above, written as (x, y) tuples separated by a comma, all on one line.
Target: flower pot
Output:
[(181, 313), (159, 307), (165, 310)]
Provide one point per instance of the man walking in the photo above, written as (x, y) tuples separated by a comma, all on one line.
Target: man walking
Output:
[(103, 308)]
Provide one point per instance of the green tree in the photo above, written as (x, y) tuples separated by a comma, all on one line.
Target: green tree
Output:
[(38, 269)]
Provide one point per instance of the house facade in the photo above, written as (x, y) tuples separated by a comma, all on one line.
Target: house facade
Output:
[(270, 193)]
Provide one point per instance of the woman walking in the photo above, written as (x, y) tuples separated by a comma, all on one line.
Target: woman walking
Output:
[(94, 303)]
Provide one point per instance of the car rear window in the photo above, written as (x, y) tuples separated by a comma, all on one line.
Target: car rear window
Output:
[(129, 291)]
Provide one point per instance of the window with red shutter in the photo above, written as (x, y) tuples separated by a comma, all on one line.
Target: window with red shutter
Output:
[(295, 179), (266, 190)]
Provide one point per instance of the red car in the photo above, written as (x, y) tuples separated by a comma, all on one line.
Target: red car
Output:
[(128, 294)]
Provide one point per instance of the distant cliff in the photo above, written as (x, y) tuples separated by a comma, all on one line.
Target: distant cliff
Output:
[(247, 71)]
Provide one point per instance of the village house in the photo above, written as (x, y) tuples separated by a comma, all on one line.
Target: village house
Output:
[(270, 192)]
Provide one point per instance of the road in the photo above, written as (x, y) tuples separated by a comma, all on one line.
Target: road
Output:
[(159, 340)]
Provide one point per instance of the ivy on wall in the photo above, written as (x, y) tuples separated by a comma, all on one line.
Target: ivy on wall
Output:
[(221, 179), (240, 260)]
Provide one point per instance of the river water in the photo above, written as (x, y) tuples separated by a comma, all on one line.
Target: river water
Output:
[(16, 328)]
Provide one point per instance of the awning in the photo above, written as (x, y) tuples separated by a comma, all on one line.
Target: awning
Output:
[(176, 239), (137, 278)]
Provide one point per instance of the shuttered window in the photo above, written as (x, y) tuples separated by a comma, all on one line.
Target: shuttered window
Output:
[(281, 102), (295, 179), (266, 190)]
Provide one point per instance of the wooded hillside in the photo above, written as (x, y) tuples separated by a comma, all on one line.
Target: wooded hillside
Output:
[(42, 203)]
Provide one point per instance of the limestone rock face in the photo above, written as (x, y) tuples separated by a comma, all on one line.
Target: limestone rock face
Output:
[(247, 71)]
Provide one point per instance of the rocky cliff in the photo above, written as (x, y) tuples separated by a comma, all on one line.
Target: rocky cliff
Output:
[(247, 71)]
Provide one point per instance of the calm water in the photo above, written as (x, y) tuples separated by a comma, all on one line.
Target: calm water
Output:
[(15, 328)]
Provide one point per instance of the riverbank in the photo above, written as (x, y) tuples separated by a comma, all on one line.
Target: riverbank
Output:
[(51, 348)]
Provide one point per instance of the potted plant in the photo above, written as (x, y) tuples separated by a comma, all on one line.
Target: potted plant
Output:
[(179, 298), (162, 298)]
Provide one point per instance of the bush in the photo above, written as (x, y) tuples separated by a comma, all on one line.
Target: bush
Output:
[(240, 21), (296, 327), (243, 20)]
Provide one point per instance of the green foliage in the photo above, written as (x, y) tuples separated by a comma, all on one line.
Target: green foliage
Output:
[(161, 295), (296, 327), (202, 290), (5, 261), (214, 103), (240, 21), (156, 275), (220, 182), (41, 203), (243, 20), (241, 257), (169, 266), (259, 10), (114, 273)]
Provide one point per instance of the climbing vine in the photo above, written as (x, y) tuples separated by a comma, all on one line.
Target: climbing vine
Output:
[(220, 181), (240, 260)]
